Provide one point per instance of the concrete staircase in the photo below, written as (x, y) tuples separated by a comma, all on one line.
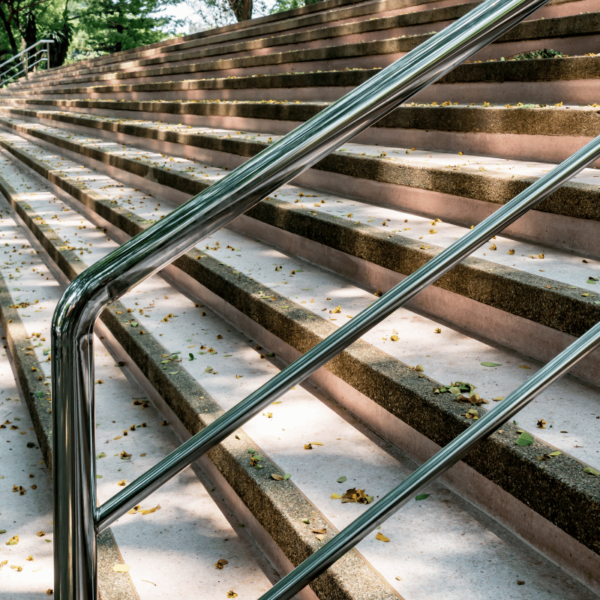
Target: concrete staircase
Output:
[(95, 152)]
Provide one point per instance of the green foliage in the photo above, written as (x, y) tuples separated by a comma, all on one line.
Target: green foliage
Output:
[(537, 54), (115, 25)]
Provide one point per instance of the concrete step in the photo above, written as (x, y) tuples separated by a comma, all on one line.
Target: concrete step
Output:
[(172, 550), (317, 14), (571, 35), (271, 513), (293, 323), (500, 297), (456, 188), (308, 417), (517, 131), (357, 31), (572, 80)]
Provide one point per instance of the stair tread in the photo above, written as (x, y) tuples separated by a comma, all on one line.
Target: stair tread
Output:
[(441, 523), (410, 348), (570, 69), (184, 501), (539, 29)]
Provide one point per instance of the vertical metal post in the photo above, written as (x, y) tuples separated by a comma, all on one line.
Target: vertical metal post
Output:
[(47, 56), (74, 468)]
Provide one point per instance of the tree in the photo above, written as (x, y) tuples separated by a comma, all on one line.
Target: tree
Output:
[(14, 18), (115, 25)]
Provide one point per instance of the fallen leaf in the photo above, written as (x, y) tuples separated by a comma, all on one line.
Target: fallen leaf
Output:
[(13, 541), (525, 439), (524, 367), (490, 364), (588, 470), (421, 496), (121, 568), (231, 594), (220, 564), (277, 477), (382, 538), (342, 479), (150, 510), (336, 497)]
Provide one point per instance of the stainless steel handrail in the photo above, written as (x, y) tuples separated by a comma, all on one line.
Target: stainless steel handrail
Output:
[(30, 58), (77, 519), (437, 465), (44, 59), (26, 67)]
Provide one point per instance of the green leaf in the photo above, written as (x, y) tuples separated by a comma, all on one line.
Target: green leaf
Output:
[(134, 324), (556, 453), (421, 496), (288, 475), (525, 439), (2, 530), (592, 471), (490, 364), (101, 455), (303, 520), (592, 281), (341, 479), (191, 356)]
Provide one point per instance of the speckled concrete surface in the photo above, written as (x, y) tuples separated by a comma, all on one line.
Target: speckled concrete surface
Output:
[(419, 337), (188, 530), (316, 478), (521, 278), (484, 178)]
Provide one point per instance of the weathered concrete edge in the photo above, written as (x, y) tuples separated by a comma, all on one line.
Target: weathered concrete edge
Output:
[(279, 506), (549, 121), (113, 586), (396, 388), (533, 297)]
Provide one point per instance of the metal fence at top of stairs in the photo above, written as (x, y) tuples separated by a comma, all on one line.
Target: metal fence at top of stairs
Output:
[(77, 517), (25, 64)]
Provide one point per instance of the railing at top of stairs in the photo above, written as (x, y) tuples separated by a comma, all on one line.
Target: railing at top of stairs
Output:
[(77, 518), (25, 62)]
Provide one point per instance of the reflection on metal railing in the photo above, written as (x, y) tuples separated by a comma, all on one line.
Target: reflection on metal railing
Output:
[(77, 518)]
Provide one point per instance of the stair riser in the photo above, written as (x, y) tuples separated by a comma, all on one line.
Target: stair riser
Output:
[(536, 531), (552, 149), (277, 511), (479, 320), (572, 46), (560, 231), (574, 91), (547, 12)]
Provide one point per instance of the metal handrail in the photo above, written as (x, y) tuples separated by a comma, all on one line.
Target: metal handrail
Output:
[(23, 69), (77, 519), (27, 66), (30, 58)]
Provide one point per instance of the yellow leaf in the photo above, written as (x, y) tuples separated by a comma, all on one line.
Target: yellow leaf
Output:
[(394, 338), (13, 541), (317, 444), (382, 538), (150, 510), (220, 564), (121, 568), (231, 594), (498, 398), (336, 497)]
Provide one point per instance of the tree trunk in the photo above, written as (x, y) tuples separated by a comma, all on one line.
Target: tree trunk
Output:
[(11, 38), (242, 9)]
